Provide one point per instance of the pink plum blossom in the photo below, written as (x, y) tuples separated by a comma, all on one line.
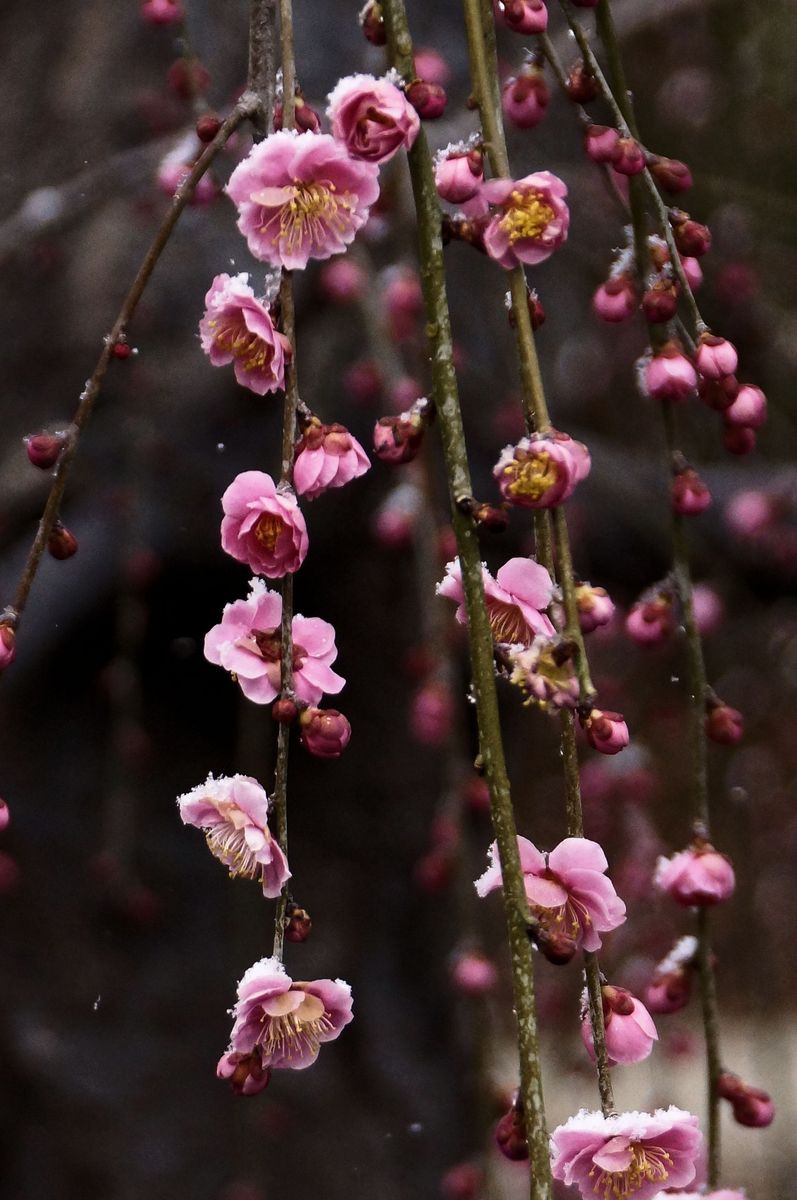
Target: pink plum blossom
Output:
[(541, 471), (263, 525), (567, 890), (233, 813), (630, 1031), (515, 599), (532, 222), (696, 877), (327, 457), (237, 328), (631, 1154), (615, 300), (546, 673), (284, 1023), (372, 118), (247, 644), (301, 196), (606, 731), (522, 16)]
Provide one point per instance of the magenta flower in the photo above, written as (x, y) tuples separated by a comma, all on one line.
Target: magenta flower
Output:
[(237, 328), (263, 525), (567, 890), (606, 731), (301, 196), (541, 471), (697, 877), (247, 644), (372, 118), (515, 599), (631, 1155), (284, 1023), (327, 457), (532, 222), (233, 814), (630, 1031)]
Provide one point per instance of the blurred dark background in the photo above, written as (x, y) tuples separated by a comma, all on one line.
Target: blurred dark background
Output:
[(121, 938)]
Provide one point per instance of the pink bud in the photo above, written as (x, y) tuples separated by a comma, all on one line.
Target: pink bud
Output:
[(606, 731), (161, 12), (305, 117), (749, 408), (5, 816), (628, 157), (61, 543), (691, 237), (474, 974), (693, 271), (431, 65), (188, 78), (660, 302), (715, 356), (696, 877), (363, 381), (671, 174), (707, 608), (207, 127), (669, 375), (325, 732), (403, 300), (751, 1106), (724, 724), (525, 97), (750, 513), (462, 1182), (432, 714), (428, 99), (615, 300), (738, 439), (630, 1031), (669, 992), (600, 143), (398, 439), (8, 646), (342, 280), (372, 23), (510, 1134), (690, 495), (650, 621), (477, 795), (595, 607), (44, 449), (458, 177), (245, 1072), (284, 711), (10, 874), (522, 16)]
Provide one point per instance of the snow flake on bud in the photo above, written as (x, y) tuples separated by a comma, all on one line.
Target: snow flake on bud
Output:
[(372, 118), (61, 543), (525, 97), (595, 607), (669, 375), (671, 986), (751, 1106), (325, 732), (606, 732), (44, 449), (263, 525), (327, 456), (237, 328), (545, 672), (532, 221), (629, 1028), (697, 877), (723, 724), (690, 494), (397, 439), (522, 16), (541, 471)]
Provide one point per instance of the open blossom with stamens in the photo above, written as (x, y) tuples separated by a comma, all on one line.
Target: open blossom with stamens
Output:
[(327, 457), (515, 599), (263, 525), (629, 1028), (283, 1023), (233, 813), (237, 328), (372, 117), (567, 890), (301, 196), (247, 643), (541, 471), (696, 877), (546, 673), (532, 221), (629, 1156)]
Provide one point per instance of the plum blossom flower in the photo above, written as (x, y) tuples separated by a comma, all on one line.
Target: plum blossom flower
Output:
[(541, 471), (567, 890), (545, 671), (696, 877), (515, 599), (629, 1028), (247, 643), (630, 1155), (372, 118), (233, 813), (532, 222), (237, 328), (301, 196), (327, 457), (606, 731), (263, 525), (284, 1023)]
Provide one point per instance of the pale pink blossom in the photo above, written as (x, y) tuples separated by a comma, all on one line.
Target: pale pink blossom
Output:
[(247, 644), (696, 877), (532, 222), (301, 196), (541, 471), (567, 890), (693, 271), (632, 1154), (263, 525), (546, 673), (515, 599), (522, 16), (285, 1023), (372, 118), (237, 328), (328, 456), (629, 1027), (748, 409), (233, 814)]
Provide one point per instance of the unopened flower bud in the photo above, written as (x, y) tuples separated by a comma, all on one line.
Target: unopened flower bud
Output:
[(660, 302), (691, 237), (650, 620), (595, 607), (751, 1106), (723, 724), (8, 646), (617, 1000), (510, 1135), (44, 449), (432, 714), (207, 127), (606, 732), (487, 516), (615, 300), (669, 375), (525, 97), (342, 280), (245, 1072), (738, 439), (325, 732), (693, 271), (600, 143), (690, 495), (61, 543), (161, 12), (670, 991), (5, 815), (554, 945), (458, 177), (284, 711), (628, 157), (718, 394), (749, 408), (363, 381), (398, 439), (522, 16), (671, 174), (121, 350), (715, 356), (372, 23), (428, 99), (582, 86), (305, 117), (298, 924)]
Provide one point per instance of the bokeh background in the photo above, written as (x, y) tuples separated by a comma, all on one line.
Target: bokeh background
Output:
[(121, 939)]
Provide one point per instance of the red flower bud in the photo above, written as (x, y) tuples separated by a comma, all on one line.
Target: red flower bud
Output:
[(671, 174), (510, 1134), (582, 86), (428, 99), (738, 439), (284, 711), (628, 157), (660, 302), (44, 449), (8, 646), (305, 117), (689, 493), (718, 394), (298, 925), (207, 127), (5, 815), (724, 724), (121, 350), (691, 238), (372, 24), (61, 543)]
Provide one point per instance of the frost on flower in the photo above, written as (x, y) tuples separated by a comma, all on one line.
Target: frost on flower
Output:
[(233, 813), (237, 328), (515, 599)]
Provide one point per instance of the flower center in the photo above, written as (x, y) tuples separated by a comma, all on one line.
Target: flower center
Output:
[(648, 1165), (233, 336), (269, 647), (507, 622), (532, 476), (311, 210), (267, 530), (294, 1034), (570, 917), (527, 216), (229, 845)]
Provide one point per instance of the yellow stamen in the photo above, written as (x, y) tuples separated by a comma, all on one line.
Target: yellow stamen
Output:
[(532, 476), (313, 210), (237, 340), (267, 530), (527, 216), (647, 1166), (293, 1033)]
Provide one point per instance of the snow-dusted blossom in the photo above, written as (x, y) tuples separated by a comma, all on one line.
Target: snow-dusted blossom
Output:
[(670, 988), (301, 196), (237, 328), (567, 890), (515, 599), (281, 1023), (541, 471), (629, 1156), (697, 877), (327, 457), (233, 814), (629, 1028), (545, 672), (532, 221), (372, 117), (459, 175), (247, 643), (263, 525)]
